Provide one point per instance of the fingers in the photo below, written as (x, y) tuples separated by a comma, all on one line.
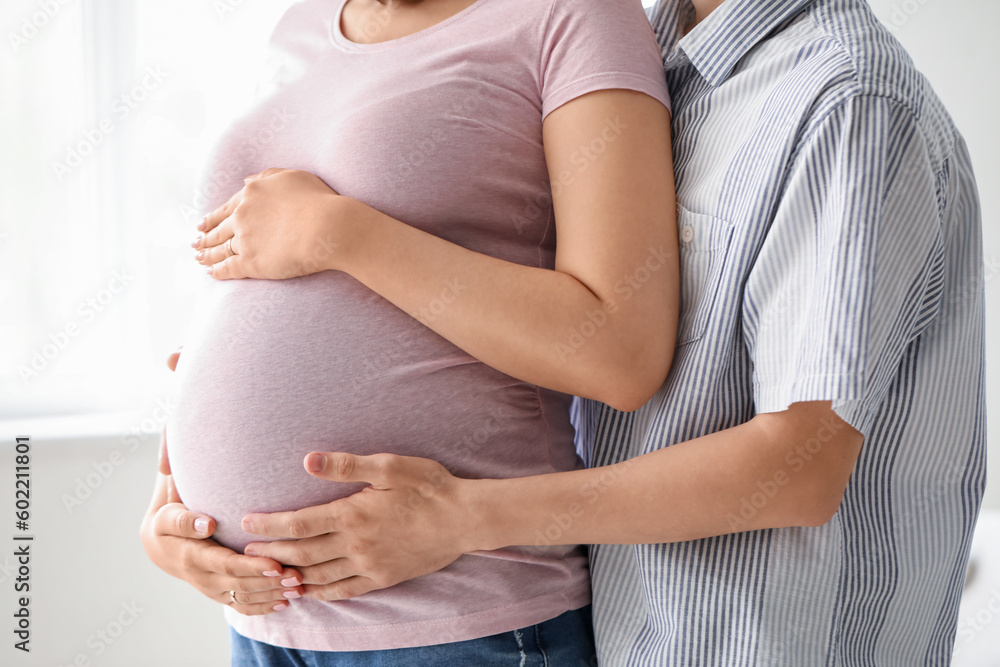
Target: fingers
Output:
[(211, 220), (263, 174), (228, 269), (176, 520), (346, 589), (258, 603), (174, 356), (216, 237), (375, 469), (306, 522), (329, 572), (299, 553), (270, 597), (164, 463), (257, 609), (213, 254)]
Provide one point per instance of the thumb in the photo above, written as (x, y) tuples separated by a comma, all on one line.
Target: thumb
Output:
[(344, 467), (164, 461), (174, 356), (175, 519)]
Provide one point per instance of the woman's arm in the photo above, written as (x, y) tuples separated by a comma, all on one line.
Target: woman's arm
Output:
[(601, 325)]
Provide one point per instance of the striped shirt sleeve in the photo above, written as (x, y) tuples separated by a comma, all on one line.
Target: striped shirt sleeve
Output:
[(852, 265)]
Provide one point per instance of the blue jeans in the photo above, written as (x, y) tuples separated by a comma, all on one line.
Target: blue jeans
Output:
[(564, 641)]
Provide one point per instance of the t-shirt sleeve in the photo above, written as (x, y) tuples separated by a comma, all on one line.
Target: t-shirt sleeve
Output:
[(594, 45), (849, 274)]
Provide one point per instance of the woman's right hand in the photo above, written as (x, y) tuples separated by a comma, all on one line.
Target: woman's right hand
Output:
[(178, 542)]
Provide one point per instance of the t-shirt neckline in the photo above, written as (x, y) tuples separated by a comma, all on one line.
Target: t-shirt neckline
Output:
[(338, 38)]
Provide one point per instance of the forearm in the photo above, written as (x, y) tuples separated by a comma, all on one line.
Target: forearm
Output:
[(541, 326), (758, 475)]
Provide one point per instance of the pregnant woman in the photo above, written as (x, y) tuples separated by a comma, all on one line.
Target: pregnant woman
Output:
[(405, 293)]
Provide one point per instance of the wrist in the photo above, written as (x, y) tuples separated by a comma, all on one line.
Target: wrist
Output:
[(482, 527), (351, 223)]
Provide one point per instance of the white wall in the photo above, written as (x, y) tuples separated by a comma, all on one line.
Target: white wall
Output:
[(88, 562), (954, 42)]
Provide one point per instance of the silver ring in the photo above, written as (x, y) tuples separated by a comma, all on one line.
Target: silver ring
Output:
[(229, 246), (232, 597)]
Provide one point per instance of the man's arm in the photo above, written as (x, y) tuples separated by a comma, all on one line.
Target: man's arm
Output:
[(778, 470)]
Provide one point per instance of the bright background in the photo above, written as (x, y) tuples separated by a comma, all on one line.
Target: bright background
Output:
[(107, 112)]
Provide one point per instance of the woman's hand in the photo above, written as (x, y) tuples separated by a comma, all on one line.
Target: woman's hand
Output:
[(177, 541), (411, 521), (284, 223)]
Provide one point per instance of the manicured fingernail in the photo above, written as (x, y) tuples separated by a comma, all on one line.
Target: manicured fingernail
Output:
[(250, 551), (208, 270), (201, 524), (246, 525), (290, 581), (200, 255), (291, 595), (194, 244), (279, 606), (316, 462), (201, 225), (271, 573)]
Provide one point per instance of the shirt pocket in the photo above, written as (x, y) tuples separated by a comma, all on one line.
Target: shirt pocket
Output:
[(704, 242)]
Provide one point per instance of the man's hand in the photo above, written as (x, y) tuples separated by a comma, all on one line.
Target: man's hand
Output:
[(411, 521)]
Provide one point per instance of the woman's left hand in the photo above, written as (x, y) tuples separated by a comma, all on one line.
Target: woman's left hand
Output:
[(411, 521), (284, 223)]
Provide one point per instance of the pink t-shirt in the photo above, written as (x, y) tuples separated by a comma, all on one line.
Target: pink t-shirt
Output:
[(441, 129)]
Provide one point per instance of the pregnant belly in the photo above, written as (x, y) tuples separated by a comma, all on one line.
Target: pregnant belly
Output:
[(272, 370)]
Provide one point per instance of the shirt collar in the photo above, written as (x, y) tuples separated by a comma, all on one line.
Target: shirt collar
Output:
[(720, 41)]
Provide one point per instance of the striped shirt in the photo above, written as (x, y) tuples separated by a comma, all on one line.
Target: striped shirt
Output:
[(830, 250)]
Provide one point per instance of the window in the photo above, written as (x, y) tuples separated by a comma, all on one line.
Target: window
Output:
[(108, 110)]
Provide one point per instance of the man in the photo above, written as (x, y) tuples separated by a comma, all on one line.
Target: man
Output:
[(803, 489)]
